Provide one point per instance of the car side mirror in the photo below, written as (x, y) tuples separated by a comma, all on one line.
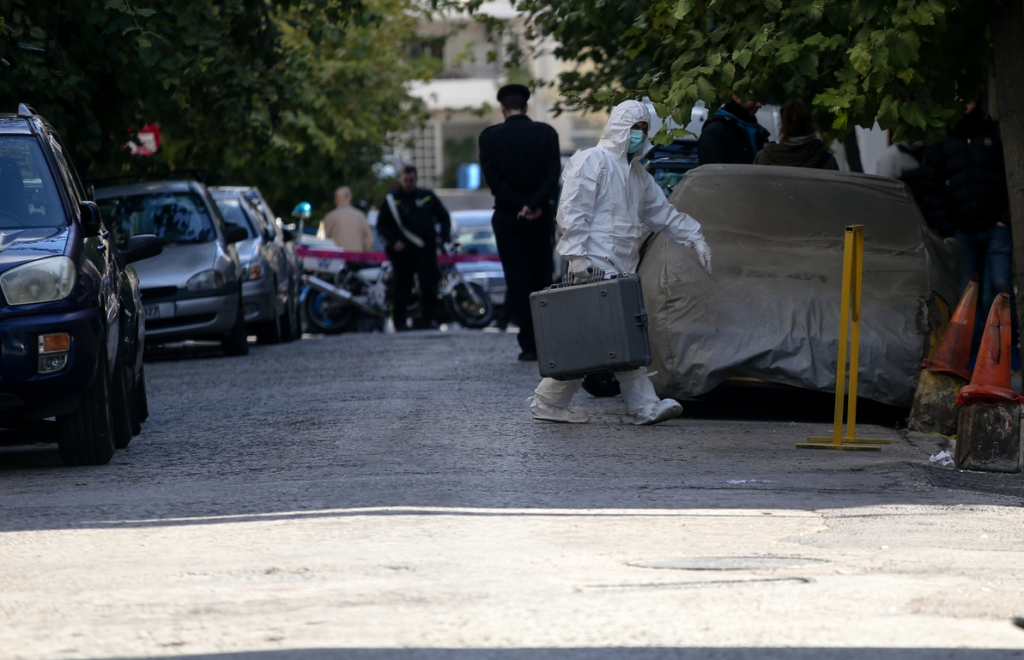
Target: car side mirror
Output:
[(288, 235), (234, 234), (92, 220), (142, 247)]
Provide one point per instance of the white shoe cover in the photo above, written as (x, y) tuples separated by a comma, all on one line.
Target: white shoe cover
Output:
[(658, 412), (546, 413)]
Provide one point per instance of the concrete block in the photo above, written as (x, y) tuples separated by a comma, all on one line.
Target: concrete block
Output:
[(988, 437), (934, 408)]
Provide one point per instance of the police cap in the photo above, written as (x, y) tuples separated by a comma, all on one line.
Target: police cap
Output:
[(513, 90)]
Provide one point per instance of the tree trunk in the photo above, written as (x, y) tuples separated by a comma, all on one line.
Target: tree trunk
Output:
[(1007, 21)]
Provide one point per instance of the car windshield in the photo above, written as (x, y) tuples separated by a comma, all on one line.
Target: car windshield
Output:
[(258, 204), (174, 217), (231, 210), (28, 195), (477, 241), (667, 180)]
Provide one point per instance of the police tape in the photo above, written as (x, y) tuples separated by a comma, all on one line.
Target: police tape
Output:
[(380, 257)]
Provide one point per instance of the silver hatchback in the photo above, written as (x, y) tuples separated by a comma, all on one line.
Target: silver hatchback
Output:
[(193, 289), (268, 285)]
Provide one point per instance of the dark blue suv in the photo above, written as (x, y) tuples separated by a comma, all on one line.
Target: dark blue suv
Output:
[(71, 337)]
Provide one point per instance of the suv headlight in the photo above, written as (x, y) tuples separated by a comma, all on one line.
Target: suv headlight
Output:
[(205, 281), (44, 280)]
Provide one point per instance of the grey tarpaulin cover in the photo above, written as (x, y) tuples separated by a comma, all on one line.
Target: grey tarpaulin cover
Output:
[(771, 308)]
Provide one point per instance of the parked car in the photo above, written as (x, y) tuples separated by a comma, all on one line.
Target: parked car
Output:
[(269, 297), (284, 237), (194, 289), (770, 310), (71, 336), (669, 163), (472, 230)]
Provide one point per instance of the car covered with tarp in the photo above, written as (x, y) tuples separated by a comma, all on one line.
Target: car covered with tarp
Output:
[(770, 311)]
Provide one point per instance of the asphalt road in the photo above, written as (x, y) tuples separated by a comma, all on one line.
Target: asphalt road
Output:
[(387, 496)]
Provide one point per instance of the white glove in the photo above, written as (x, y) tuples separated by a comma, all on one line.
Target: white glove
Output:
[(579, 267), (703, 251)]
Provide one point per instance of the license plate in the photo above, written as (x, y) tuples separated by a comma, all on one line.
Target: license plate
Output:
[(161, 311)]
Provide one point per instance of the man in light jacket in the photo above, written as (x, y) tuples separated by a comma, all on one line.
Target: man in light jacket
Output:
[(607, 197), (346, 225)]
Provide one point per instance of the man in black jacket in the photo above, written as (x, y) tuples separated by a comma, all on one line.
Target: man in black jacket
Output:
[(732, 134), (521, 163), (964, 194), (408, 224)]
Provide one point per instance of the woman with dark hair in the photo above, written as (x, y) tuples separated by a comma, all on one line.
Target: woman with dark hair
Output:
[(798, 146)]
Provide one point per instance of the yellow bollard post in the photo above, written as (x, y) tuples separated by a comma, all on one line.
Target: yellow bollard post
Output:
[(849, 330)]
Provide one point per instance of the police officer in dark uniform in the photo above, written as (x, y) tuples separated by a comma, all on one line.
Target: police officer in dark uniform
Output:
[(411, 240), (521, 163)]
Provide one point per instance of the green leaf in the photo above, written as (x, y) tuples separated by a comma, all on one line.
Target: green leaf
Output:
[(815, 39), (889, 109), (922, 15), (145, 13), (742, 57), (860, 58), (913, 114), (761, 37), (706, 91), (36, 32), (787, 53), (682, 8), (728, 73), (144, 42), (808, 65)]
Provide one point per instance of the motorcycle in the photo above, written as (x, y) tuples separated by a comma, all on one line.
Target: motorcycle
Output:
[(341, 298)]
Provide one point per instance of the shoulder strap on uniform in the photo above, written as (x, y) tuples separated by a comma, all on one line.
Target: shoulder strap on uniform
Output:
[(412, 238)]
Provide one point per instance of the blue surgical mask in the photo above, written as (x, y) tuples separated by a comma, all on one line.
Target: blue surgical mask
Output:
[(636, 140)]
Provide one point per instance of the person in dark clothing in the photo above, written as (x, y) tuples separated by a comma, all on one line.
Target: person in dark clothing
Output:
[(964, 194), (798, 146), (732, 134), (408, 224), (521, 164)]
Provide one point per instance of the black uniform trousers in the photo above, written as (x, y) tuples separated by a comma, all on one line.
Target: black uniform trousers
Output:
[(525, 249), (408, 263)]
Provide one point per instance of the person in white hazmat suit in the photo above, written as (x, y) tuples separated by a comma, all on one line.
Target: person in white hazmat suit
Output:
[(606, 195)]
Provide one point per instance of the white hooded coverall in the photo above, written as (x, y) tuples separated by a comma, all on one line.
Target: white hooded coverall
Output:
[(605, 198)]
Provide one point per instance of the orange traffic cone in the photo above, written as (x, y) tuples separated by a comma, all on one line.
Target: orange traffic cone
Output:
[(953, 355), (991, 380)]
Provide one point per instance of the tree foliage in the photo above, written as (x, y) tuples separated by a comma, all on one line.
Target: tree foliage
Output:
[(296, 96), (900, 61)]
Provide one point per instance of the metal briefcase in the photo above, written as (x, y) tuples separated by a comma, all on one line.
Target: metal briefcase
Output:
[(591, 328)]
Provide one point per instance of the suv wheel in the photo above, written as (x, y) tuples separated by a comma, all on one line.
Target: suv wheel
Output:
[(237, 342), (290, 327), (141, 398), (269, 332), (121, 405), (87, 434)]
